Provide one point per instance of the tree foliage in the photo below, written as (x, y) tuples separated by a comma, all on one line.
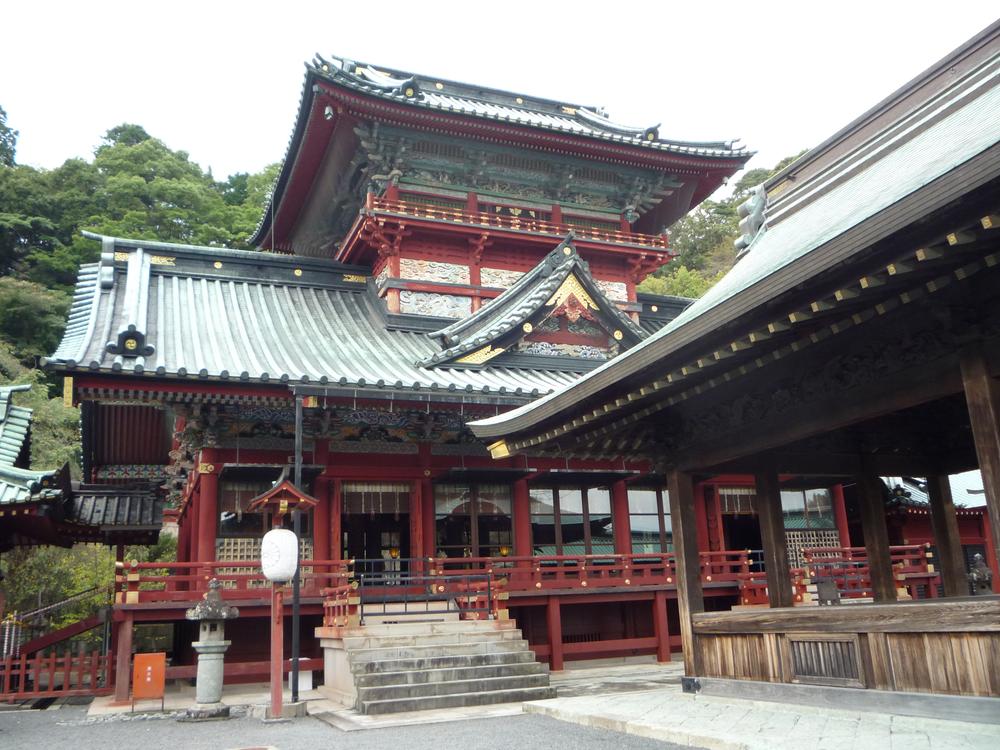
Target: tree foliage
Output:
[(134, 186), (703, 240), (8, 141)]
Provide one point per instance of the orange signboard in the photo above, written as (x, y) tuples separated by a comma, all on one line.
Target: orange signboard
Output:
[(149, 672)]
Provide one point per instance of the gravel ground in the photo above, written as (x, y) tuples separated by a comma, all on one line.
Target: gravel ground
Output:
[(69, 728)]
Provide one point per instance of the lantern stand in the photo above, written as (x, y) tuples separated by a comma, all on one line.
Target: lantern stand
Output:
[(279, 558)]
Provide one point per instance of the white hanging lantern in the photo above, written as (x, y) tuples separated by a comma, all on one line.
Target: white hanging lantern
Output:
[(279, 555)]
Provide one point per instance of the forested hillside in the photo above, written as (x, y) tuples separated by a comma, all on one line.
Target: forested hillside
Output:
[(133, 186), (703, 240)]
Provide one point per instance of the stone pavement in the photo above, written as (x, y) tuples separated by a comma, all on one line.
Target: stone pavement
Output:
[(731, 724)]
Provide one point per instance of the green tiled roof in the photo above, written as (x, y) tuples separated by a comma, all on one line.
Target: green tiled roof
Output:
[(952, 128), (17, 484)]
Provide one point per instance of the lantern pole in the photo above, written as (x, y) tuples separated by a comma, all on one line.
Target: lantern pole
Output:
[(297, 528)]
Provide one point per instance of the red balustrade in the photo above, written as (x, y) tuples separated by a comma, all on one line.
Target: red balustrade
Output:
[(55, 675), (517, 223), (241, 579)]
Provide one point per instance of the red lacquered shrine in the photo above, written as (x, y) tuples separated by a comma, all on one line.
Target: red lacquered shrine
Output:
[(437, 253)]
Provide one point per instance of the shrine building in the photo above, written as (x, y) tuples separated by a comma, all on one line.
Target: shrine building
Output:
[(434, 253)]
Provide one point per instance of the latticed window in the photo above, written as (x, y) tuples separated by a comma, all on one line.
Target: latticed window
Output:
[(571, 521), (473, 520), (649, 520), (807, 509)]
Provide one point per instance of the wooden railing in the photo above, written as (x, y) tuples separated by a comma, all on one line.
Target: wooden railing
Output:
[(241, 579), (516, 223), (847, 566), (55, 676)]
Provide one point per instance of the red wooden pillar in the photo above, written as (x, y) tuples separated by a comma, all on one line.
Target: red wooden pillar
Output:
[(321, 520), (522, 519), (336, 519), (620, 522), (417, 502), (661, 626), (840, 513), (277, 650), (430, 531), (193, 504), (208, 505), (553, 617), (123, 658), (184, 538), (701, 509)]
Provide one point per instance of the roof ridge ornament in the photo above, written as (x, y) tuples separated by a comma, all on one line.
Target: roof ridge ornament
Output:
[(753, 220)]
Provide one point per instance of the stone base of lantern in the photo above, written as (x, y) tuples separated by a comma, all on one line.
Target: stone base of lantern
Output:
[(206, 712)]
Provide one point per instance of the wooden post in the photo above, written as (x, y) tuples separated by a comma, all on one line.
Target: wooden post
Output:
[(277, 650), (620, 523), (772, 535), (417, 500), (321, 521), (336, 520), (702, 505), (946, 537), (840, 513), (430, 522), (123, 659), (208, 505), (522, 519), (982, 395), (554, 618), (687, 562), (661, 627), (876, 534)]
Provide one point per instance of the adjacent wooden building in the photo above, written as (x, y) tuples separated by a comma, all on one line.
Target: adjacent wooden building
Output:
[(857, 336)]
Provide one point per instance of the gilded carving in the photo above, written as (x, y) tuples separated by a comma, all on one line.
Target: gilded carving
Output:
[(355, 278), (480, 356), (571, 287), (163, 260)]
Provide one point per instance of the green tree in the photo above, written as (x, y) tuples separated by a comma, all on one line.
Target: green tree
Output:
[(703, 240), (8, 141)]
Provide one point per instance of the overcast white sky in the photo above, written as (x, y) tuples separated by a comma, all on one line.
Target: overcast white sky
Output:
[(222, 80)]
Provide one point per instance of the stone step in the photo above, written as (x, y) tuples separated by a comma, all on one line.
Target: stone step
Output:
[(413, 677), (418, 627), (452, 687), (429, 639), (437, 649), (425, 703), (451, 661)]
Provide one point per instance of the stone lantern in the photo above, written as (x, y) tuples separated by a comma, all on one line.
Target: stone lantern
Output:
[(211, 646)]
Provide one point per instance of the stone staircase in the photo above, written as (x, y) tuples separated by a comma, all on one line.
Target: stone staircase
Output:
[(415, 666)]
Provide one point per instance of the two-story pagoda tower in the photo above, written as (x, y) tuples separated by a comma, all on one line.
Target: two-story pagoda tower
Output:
[(440, 252)]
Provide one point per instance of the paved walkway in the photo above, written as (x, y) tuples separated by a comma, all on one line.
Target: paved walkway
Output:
[(644, 700), (730, 724)]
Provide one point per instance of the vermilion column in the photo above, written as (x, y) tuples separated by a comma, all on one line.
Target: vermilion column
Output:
[(430, 534), (701, 505), (619, 518), (183, 538), (123, 659), (321, 520), (661, 626), (840, 513), (522, 519), (554, 621), (336, 520), (208, 505), (417, 502)]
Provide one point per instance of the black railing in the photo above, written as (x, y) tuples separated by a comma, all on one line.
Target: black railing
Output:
[(398, 587)]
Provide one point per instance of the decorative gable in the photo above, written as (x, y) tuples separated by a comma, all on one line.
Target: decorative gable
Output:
[(555, 316)]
